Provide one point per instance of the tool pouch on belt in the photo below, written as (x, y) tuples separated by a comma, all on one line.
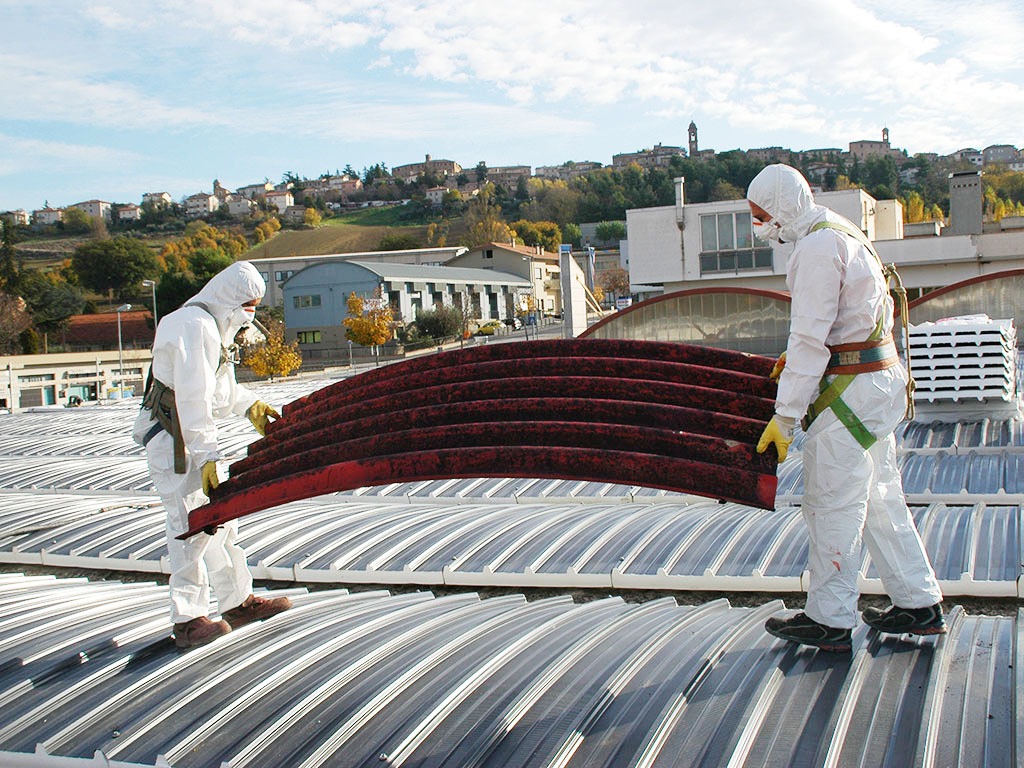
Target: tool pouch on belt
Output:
[(159, 398)]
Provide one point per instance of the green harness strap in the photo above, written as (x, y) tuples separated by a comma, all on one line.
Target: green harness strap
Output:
[(830, 393)]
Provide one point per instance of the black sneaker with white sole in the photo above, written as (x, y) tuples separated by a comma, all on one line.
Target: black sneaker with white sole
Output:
[(806, 631), (906, 621)]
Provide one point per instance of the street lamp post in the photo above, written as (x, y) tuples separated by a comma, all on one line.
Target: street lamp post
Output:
[(152, 285), (120, 352)]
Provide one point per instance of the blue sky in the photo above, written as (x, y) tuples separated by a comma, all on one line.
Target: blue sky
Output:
[(113, 99)]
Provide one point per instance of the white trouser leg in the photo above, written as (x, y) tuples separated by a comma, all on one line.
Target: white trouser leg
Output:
[(229, 572), (202, 559), (837, 473), (892, 538)]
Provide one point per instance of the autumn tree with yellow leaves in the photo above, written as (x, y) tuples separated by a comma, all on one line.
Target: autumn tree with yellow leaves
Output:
[(273, 357), (369, 324)]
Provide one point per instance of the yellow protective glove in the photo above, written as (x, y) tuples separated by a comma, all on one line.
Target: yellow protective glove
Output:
[(777, 368), (210, 478), (779, 433), (260, 414)]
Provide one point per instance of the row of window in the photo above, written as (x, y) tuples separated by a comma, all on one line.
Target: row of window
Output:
[(728, 244), (306, 302)]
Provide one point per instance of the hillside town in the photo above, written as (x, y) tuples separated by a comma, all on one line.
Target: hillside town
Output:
[(821, 166)]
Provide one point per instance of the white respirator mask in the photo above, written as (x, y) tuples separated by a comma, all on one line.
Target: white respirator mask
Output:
[(767, 230)]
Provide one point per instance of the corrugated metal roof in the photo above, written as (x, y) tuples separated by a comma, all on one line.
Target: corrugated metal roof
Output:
[(412, 679)]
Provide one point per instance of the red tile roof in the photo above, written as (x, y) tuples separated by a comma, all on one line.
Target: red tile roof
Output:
[(100, 331)]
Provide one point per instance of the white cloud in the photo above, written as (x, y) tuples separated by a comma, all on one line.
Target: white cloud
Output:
[(21, 155)]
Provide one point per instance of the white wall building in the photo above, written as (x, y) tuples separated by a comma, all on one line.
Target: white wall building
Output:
[(712, 244)]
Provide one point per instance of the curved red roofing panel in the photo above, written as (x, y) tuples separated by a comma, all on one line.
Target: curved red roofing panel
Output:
[(663, 415)]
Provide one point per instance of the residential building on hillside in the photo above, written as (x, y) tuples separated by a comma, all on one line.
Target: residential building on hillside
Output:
[(19, 217), (435, 196), (200, 204), (968, 155), (129, 212), (253, 191), (412, 171), (686, 246), (508, 176), (862, 150), (159, 199), (280, 199), (658, 157), (240, 206), (276, 270), (96, 209), (771, 155), (1000, 154), (45, 216), (327, 185), (567, 171)]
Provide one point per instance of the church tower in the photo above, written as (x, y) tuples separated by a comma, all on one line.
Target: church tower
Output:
[(692, 131)]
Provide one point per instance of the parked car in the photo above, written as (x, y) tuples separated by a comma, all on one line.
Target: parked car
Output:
[(489, 328)]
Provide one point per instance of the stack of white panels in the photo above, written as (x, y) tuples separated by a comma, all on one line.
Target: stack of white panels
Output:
[(964, 360)]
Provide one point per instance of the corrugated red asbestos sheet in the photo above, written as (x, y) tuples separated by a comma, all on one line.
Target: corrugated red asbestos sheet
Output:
[(657, 414)]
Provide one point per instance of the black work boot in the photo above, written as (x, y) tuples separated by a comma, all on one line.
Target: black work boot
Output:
[(806, 631), (907, 621), (255, 609), (199, 631)]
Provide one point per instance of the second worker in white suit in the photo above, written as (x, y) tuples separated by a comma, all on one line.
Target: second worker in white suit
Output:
[(843, 377), (193, 384)]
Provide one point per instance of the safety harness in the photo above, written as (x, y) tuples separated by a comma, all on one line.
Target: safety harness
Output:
[(875, 354), (159, 398)]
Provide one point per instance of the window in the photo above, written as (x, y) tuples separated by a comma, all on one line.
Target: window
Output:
[(284, 274), (265, 276), (305, 302), (308, 337), (489, 253), (728, 244)]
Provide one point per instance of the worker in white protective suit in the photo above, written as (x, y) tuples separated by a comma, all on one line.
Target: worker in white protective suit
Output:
[(192, 384), (842, 375)]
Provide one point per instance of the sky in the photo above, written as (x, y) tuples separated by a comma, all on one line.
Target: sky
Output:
[(110, 100)]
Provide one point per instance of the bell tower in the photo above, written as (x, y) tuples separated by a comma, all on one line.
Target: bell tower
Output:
[(692, 132)]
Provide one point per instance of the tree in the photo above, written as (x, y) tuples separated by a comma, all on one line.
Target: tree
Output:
[(614, 281), (273, 357), (312, 217), (368, 327), (611, 231), (483, 220), (398, 241), (546, 234), (440, 322), (75, 221), (10, 269), (117, 265), (14, 320), (51, 301)]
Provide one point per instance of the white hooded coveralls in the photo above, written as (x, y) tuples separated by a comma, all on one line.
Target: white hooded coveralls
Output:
[(838, 296), (187, 358)]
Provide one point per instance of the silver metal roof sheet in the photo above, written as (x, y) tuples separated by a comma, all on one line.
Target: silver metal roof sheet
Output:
[(87, 670), (76, 492)]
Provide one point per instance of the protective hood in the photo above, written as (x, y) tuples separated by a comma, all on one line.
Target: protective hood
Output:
[(225, 294), (784, 193)]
